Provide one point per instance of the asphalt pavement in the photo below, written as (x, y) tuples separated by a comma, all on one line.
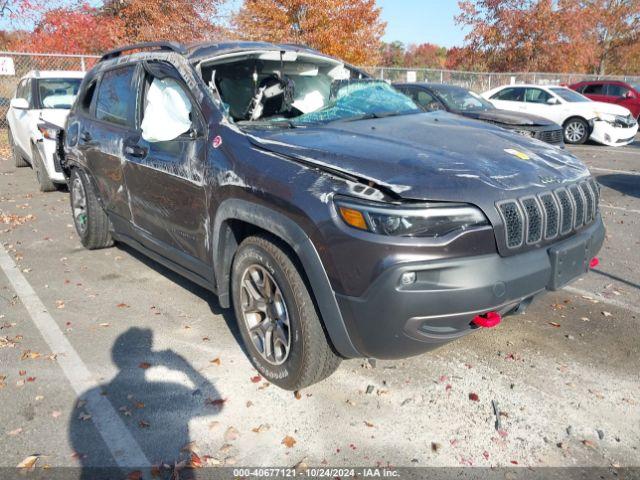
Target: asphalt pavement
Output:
[(160, 364)]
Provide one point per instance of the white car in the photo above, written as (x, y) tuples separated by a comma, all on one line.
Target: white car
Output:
[(35, 117), (580, 117)]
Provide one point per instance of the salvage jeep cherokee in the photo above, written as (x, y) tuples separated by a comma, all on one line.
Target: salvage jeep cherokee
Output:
[(336, 217)]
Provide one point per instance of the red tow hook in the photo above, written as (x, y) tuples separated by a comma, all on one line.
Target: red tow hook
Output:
[(595, 261), (488, 320)]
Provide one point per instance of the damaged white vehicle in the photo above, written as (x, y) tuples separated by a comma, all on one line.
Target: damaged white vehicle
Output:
[(36, 115), (580, 117)]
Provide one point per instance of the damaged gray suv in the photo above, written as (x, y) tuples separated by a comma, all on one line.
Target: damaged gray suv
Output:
[(336, 217)]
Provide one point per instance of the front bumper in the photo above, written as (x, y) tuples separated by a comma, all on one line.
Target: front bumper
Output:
[(607, 134), (392, 320), (49, 155)]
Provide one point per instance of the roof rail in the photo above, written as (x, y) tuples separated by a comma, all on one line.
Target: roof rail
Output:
[(171, 46)]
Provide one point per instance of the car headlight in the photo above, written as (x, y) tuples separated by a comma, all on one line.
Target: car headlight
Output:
[(48, 131), (434, 220)]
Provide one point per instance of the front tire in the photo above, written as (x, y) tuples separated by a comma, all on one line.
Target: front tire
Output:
[(18, 159), (278, 320), (89, 218), (576, 131), (46, 185)]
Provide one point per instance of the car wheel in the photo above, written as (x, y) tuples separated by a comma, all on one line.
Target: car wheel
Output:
[(89, 218), (46, 185), (18, 159), (576, 131), (277, 317)]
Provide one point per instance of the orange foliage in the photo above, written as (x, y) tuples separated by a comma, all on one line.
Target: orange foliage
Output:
[(348, 29)]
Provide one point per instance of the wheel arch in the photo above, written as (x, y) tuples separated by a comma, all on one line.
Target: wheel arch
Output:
[(237, 218)]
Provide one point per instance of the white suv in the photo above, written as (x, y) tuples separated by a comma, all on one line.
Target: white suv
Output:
[(36, 114)]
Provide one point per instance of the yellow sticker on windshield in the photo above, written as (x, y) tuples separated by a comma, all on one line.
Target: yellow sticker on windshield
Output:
[(517, 153)]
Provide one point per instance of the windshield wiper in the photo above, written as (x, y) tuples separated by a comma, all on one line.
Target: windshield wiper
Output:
[(372, 115), (267, 123)]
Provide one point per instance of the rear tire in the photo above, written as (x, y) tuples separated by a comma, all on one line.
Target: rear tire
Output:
[(18, 159), (576, 131), (46, 185), (89, 218), (269, 292)]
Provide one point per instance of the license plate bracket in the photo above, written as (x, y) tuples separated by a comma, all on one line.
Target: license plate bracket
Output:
[(568, 261)]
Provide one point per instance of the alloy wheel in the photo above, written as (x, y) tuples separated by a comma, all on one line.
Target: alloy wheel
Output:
[(265, 314), (575, 131), (79, 204)]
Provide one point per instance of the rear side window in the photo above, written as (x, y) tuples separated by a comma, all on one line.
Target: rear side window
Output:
[(510, 94), (594, 89), (535, 95), (116, 101), (617, 90)]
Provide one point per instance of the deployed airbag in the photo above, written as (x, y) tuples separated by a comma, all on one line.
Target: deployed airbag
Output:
[(167, 111)]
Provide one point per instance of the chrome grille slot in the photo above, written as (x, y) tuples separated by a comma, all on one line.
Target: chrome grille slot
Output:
[(534, 220), (579, 202), (590, 201), (552, 215), (566, 207), (513, 222)]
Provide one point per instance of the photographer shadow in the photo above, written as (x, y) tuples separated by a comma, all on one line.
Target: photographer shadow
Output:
[(156, 394)]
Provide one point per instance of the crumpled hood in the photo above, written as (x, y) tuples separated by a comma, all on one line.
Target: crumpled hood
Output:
[(430, 156), (611, 108), (56, 116), (509, 118)]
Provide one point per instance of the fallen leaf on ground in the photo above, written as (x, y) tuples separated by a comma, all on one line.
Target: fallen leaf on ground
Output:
[(135, 475), (29, 462), (256, 379), (262, 428), (288, 441), (554, 324), (194, 461), (606, 314), (190, 447), (231, 434), (216, 361), (56, 413), (144, 424), (144, 365), (215, 402), (84, 416), (122, 305), (297, 395), (369, 424), (15, 432), (29, 355), (474, 397)]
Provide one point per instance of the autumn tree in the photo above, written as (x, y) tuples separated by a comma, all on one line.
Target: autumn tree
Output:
[(392, 54), (349, 29), (425, 55)]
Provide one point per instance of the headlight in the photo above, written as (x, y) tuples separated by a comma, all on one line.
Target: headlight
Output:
[(434, 220), (48, 131)]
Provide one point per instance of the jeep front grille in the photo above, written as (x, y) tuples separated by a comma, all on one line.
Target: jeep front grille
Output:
[(533, 219)]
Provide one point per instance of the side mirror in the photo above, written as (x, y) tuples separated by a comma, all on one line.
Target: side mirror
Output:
[(552, 101), (629, 94), (19, 104)]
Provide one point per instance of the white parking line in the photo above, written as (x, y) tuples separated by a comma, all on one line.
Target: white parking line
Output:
[(605, 300), (630, 210), (630, 151), (124, 448)]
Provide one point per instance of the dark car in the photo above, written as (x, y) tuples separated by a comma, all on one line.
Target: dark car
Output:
[(336, 217), (458, 100), (612, 91)]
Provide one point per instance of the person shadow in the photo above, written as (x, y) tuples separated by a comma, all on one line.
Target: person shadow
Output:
[(155, 394)]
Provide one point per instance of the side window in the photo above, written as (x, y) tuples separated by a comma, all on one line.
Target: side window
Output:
[(514, 94), (20, 91), (594, 89), (617, 90), (536, 95), (167, 111), (116, 101), (426, 101)]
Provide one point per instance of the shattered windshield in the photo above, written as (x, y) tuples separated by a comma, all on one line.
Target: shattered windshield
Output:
[(462, 100), (288, 89)]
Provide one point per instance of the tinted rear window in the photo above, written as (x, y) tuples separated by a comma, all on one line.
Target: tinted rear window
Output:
[(116, 101)]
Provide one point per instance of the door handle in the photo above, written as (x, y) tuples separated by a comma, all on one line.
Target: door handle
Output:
[(85, 136), (135, 151)]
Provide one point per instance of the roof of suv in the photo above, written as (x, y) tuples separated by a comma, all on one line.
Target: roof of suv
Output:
[(199, 51)]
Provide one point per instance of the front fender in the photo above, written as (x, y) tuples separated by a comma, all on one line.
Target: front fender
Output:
[(290, 232)]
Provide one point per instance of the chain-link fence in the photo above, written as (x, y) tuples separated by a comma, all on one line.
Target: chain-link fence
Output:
[(14, 65), (482, 81)]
